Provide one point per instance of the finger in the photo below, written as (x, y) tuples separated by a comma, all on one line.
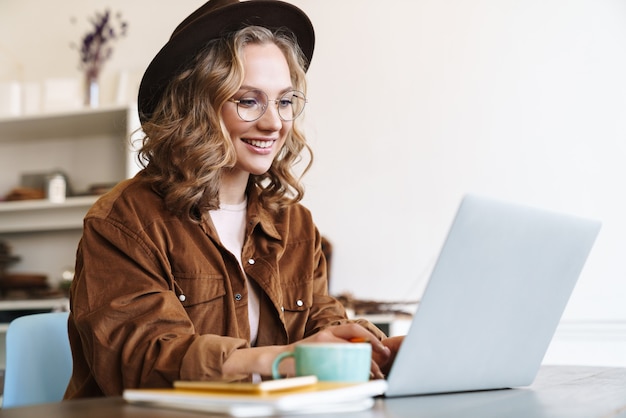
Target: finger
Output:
[(375, 371), (348, 331), (328, 335), (393, 343), (357, 333)]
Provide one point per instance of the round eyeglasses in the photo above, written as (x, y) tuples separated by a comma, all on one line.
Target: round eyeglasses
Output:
[(253, 104)]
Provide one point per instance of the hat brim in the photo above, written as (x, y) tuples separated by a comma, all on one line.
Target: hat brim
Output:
[(184, 46)]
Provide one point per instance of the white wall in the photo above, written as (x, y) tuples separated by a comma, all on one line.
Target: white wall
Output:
[(412, 104)]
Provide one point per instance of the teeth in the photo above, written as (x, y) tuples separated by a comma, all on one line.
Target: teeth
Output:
[(259, 144)]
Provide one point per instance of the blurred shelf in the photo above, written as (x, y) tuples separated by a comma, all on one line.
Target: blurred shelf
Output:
[(43, 215), (78, 123), (92, 147), (13, 308)]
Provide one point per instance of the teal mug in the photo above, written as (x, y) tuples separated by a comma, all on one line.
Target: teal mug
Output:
[(330, 362)]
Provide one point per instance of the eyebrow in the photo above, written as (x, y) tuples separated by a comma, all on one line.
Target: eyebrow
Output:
[(245, 88)]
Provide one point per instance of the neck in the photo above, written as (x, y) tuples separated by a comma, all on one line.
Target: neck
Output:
[(233, 186)]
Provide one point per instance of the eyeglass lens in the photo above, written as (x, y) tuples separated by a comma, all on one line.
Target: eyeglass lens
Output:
[(253, 104)]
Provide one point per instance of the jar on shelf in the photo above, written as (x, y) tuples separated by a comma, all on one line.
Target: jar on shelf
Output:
[(56, 188)]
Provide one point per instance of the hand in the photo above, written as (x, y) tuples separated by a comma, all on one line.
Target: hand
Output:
[(355, 332), (385, 362), (245, 361)]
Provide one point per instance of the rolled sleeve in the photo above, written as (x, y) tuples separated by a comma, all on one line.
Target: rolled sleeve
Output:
[(205, 357)]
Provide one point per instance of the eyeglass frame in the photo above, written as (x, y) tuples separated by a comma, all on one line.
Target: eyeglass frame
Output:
[(268, 101)]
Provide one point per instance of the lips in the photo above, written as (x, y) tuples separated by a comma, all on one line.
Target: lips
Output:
[(258, 143)]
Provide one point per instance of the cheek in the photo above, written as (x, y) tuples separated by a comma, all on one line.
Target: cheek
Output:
[(285, 131), (232, 122), (282, 141)]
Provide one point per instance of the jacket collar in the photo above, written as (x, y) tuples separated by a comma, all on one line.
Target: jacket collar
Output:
[(259, 215), (256, 214)]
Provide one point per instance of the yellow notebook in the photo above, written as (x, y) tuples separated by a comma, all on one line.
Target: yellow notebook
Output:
[(262, 399), (267, 386)]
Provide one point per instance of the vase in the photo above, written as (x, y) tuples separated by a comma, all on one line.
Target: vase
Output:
[(92, 90)]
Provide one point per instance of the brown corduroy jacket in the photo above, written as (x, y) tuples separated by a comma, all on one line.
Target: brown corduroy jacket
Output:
[(157, 298)]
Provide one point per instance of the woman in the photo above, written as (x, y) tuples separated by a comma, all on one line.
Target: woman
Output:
[(205, 266)]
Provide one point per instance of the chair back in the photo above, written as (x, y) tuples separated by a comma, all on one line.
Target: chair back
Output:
[(38, 359)]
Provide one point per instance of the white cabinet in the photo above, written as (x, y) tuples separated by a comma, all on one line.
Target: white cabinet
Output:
[(92, 147)]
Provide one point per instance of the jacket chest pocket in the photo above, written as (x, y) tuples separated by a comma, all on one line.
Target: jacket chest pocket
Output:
[(199, 288), (297, 302)]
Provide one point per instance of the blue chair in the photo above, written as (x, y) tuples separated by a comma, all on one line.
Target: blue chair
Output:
[(38, 359)]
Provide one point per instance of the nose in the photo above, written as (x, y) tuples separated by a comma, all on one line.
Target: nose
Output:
[(270, 120)]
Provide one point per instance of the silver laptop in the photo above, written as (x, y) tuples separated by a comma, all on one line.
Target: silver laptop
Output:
[(494, 299)]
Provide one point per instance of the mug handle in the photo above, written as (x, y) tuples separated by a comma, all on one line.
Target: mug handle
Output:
[(277, 360)]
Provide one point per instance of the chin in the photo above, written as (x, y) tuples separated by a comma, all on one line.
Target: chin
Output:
[(255, 171), (259, 172)]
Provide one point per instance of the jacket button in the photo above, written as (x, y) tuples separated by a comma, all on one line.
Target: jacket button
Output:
[(238, 296), (251, 261), (299, 302)]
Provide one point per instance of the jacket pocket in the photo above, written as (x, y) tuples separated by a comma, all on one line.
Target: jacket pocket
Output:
[(199, 288), (297, 303), (298, 297)]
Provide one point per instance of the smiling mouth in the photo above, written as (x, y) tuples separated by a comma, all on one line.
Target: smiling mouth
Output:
[(257, 143)]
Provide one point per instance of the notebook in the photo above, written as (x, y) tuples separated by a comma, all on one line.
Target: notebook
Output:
[(494, 299), (289, 396)]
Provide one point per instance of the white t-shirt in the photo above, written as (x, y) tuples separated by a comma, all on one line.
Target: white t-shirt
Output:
[(230, 222)]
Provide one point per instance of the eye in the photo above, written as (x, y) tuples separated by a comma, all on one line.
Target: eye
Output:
[(248, 102), (285, 101)]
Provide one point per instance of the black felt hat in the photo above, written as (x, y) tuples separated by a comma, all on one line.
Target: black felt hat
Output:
[(210, 21)]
